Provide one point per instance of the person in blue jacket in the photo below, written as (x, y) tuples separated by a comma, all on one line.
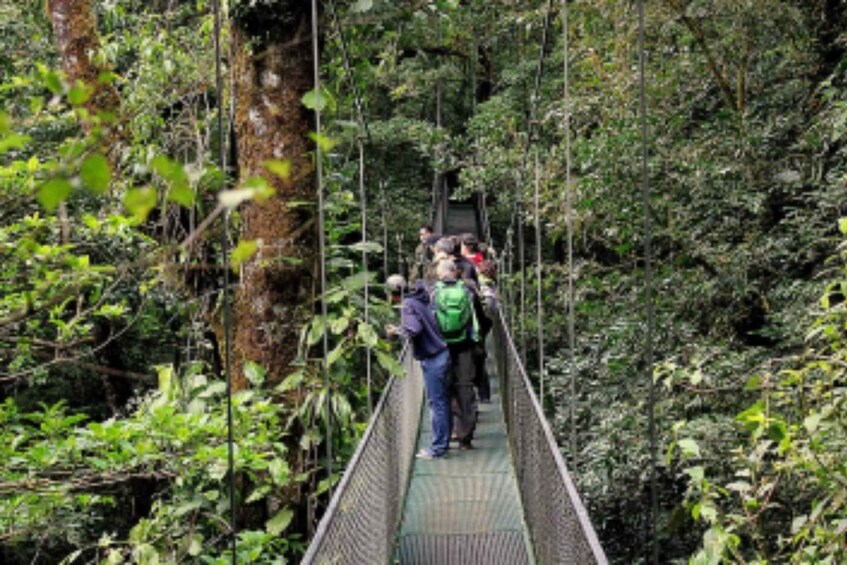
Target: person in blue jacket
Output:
[(418, 324)]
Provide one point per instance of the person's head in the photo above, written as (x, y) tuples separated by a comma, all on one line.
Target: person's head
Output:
[(445, 245), (446, 270), (396, 285), (429, 246), (457, 245), (470, 244), (424, 233)]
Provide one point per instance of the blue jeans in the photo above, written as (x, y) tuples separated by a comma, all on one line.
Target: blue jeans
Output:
[(437, 385)]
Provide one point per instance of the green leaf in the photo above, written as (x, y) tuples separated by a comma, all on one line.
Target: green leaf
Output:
[(697, 474), (753, 416), (282, 169), (689, 447), (798, 523), (255, 373), (368, 246), (245, 249), (96, 173), (79, 93), (336, 353), (323, 100), (181, 194), (140, 202), (361, 6), (168, 169), (53, 82), (292, 381), (339, 325), (325, 143), (389, 363), (279, 470), (195, 545), (54, 192), (368, 335), (842, 225), (13, 141), (316, 330), (278, 523)]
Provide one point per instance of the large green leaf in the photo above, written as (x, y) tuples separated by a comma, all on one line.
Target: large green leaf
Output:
[(96, 173), (54, 192)]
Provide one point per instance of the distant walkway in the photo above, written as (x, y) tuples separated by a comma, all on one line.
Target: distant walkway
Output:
[(466, 509)]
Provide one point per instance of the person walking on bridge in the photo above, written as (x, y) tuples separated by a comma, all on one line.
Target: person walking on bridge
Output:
[(455, 315), (418, 324)]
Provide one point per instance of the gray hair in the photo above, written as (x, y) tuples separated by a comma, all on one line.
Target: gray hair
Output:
[(445, 245), (396, 284), (446, 268)]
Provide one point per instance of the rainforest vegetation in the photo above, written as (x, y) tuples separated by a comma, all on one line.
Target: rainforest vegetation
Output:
[(132, 222)]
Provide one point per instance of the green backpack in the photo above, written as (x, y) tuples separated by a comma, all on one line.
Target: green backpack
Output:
[(453, 311)]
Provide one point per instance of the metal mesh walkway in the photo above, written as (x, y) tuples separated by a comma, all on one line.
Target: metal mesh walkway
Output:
[(465, 508)]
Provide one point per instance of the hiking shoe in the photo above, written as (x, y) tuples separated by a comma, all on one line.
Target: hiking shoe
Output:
[(427, 453)]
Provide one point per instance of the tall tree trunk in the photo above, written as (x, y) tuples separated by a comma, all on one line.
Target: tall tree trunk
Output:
[(272, 64), (75, 30)]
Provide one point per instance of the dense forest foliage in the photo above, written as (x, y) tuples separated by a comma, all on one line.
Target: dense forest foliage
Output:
[(122, 202)]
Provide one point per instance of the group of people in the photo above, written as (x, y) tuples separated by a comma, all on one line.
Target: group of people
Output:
[(446, 313)]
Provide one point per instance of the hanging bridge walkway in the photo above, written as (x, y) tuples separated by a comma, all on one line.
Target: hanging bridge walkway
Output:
[(509, 501)]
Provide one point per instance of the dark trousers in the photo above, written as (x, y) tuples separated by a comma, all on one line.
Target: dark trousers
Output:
[(463, 394), (481, 380)]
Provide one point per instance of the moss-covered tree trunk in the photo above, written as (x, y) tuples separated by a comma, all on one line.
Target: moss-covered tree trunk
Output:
[(75, 30), (273, 69)]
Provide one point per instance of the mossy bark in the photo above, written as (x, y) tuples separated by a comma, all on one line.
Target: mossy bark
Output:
[(75, 30), (272, 72)]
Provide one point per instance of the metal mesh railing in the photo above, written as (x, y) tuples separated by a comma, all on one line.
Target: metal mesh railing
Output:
[(559, 525), (361, 522)]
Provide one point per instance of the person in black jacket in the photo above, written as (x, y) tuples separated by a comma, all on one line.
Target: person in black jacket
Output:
[(418, 324)]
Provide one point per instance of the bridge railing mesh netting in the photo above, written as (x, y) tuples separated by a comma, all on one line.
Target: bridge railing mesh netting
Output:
[(559, 524), (361, 522)]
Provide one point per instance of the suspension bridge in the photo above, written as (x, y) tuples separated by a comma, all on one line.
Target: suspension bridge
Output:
[(511, 500)]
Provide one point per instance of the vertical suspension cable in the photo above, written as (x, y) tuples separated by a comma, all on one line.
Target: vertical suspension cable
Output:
[(363, 199), (539, 305), (569, 219), (648, 282), (384, 229), (227, 306), (522, 289), (366, 291), (345, 55), (322, 242)]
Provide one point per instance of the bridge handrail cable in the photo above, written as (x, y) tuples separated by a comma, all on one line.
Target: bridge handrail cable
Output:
[(361, 521), (559, 524)]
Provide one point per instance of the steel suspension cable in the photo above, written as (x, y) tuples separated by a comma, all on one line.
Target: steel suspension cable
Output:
[(530, 133), (522, 288), (345, 57), (363, 197), (322, 241), (227, 306), (366, 290), (648, 281), (569, 220), (539, 303)]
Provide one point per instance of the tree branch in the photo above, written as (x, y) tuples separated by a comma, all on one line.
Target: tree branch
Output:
[(700, 39)]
